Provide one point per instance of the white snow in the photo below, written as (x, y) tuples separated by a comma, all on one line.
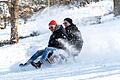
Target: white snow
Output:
[(99, 59)]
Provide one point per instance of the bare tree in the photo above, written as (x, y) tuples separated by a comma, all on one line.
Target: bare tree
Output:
[(116, 7), (14, 10)]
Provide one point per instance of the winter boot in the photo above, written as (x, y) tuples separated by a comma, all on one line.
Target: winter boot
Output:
[(22, 65), (34, 64), (39, 64), (51, 59)]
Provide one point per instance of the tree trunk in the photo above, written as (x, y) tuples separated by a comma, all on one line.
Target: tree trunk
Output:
[(116, 7), (13, 10), (5, 21)]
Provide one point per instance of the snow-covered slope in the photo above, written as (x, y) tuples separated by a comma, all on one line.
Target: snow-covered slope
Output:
[(99, 59), (80, 16)]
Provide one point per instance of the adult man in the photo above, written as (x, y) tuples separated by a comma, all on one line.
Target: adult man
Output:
[(74, 35), (58, 32)]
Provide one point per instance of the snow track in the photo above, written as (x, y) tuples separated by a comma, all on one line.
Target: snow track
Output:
[(65, 72)]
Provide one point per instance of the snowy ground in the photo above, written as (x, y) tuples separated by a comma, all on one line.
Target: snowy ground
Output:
[(99, 59)]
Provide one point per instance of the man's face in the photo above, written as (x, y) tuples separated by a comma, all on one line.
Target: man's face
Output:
[(52, 27), (66, 23)]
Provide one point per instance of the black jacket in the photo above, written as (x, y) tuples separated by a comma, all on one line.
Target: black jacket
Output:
[(59, 33), (74, 36)]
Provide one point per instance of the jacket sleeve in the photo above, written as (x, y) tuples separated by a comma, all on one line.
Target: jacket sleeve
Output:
[(64, 37), (75, 36), (64, 34)]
